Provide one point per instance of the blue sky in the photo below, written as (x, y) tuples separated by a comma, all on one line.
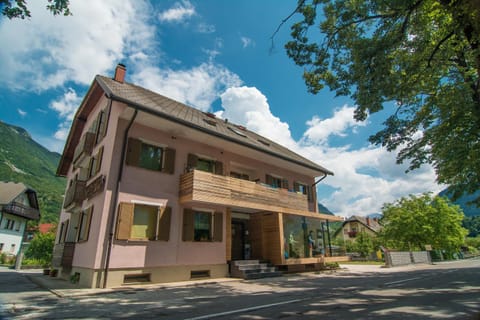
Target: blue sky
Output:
[(214, 55)]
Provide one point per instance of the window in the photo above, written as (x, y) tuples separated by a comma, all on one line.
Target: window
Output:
[(143, 222), (95, 163), (201, 225), (204, 164), (12, 248), (63, 231), (304, 189), (151, 157), (9, 224), (84, 224), (237, 132), (237, 175), (99, 126), (1, 247), (276, 182), (17, 226)]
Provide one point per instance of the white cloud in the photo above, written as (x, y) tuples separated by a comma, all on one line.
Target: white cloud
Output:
[(48, 51), (246, 42), (179, 12), (249, 107), (65, 106), (205, 28), (21, 112), (364, 179), (319, 130), (198, 86)]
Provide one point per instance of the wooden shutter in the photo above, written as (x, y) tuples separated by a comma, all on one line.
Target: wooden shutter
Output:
[(98, 164), (218, 227), (104, 124), (219, 168), (269, 179), (124, 220), (188, 225), (169, 162), (100, 127), (191, 161), (284, 184), (309, 193), (85, 224), (133, 151), (164, 219)]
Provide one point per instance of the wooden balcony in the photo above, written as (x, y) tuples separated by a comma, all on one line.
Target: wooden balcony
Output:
[(84, 150), (75, 195), (21, 210), (216, 189)]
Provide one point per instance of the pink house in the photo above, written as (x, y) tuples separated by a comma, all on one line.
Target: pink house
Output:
[(158, 191)]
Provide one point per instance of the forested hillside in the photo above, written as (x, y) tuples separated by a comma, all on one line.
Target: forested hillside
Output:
[(24, 160)]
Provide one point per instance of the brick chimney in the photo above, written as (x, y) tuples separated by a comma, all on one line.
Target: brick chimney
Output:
[(368, 221), (120, 71)]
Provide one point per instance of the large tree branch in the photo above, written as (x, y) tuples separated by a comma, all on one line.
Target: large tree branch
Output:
[(437, 47)]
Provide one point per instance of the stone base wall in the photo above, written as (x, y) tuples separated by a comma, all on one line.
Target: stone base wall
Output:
[(401, 258)]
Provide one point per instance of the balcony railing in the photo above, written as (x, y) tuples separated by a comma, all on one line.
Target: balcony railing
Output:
[(22, 210), (207, 187), (84, 149), (75, 195)]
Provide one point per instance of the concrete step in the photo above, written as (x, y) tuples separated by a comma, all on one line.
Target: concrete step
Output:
[(261, 275), (253, 269)]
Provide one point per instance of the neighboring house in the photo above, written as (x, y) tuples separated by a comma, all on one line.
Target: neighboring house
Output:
[(355, 224), (158, 191), (18, 204)]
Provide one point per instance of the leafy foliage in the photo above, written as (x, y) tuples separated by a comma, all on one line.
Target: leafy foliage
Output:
[(18, 8), (413, 222), (24, 160), (472, 224), (419, 58), (41, 248)]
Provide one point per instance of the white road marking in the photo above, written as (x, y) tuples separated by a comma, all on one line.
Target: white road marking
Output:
[(402, 281), (226, 313)]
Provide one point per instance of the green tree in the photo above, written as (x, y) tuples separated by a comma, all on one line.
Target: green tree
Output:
[(472, 224), (364, 244), (41, 248), (413, 222), (19, 9), (418, 58)]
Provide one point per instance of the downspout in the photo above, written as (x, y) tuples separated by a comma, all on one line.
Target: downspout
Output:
[(113, 202)]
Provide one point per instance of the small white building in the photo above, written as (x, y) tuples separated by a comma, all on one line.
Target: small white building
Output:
[(18, 204)]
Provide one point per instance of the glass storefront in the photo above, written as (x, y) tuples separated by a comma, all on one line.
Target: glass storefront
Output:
[(303, 237)]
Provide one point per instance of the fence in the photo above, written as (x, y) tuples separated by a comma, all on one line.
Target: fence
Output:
[(400, 258)]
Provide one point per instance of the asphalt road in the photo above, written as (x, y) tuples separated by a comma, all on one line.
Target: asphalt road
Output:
[(442, 291)]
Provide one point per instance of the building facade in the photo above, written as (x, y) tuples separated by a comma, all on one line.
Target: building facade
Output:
[(158, 191), (18, 205)]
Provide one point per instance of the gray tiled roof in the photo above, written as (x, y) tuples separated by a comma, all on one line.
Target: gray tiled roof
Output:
[(154, 103)]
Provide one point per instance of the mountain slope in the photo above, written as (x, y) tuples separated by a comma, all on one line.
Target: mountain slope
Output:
[(470, 210), (24, 160)]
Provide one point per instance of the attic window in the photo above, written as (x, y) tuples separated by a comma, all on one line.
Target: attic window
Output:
[(241, 127), (210, 115), (264, 142), (237, 132), (210, 122)]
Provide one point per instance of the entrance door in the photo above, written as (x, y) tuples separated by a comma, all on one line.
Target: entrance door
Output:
[(238, 241)]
